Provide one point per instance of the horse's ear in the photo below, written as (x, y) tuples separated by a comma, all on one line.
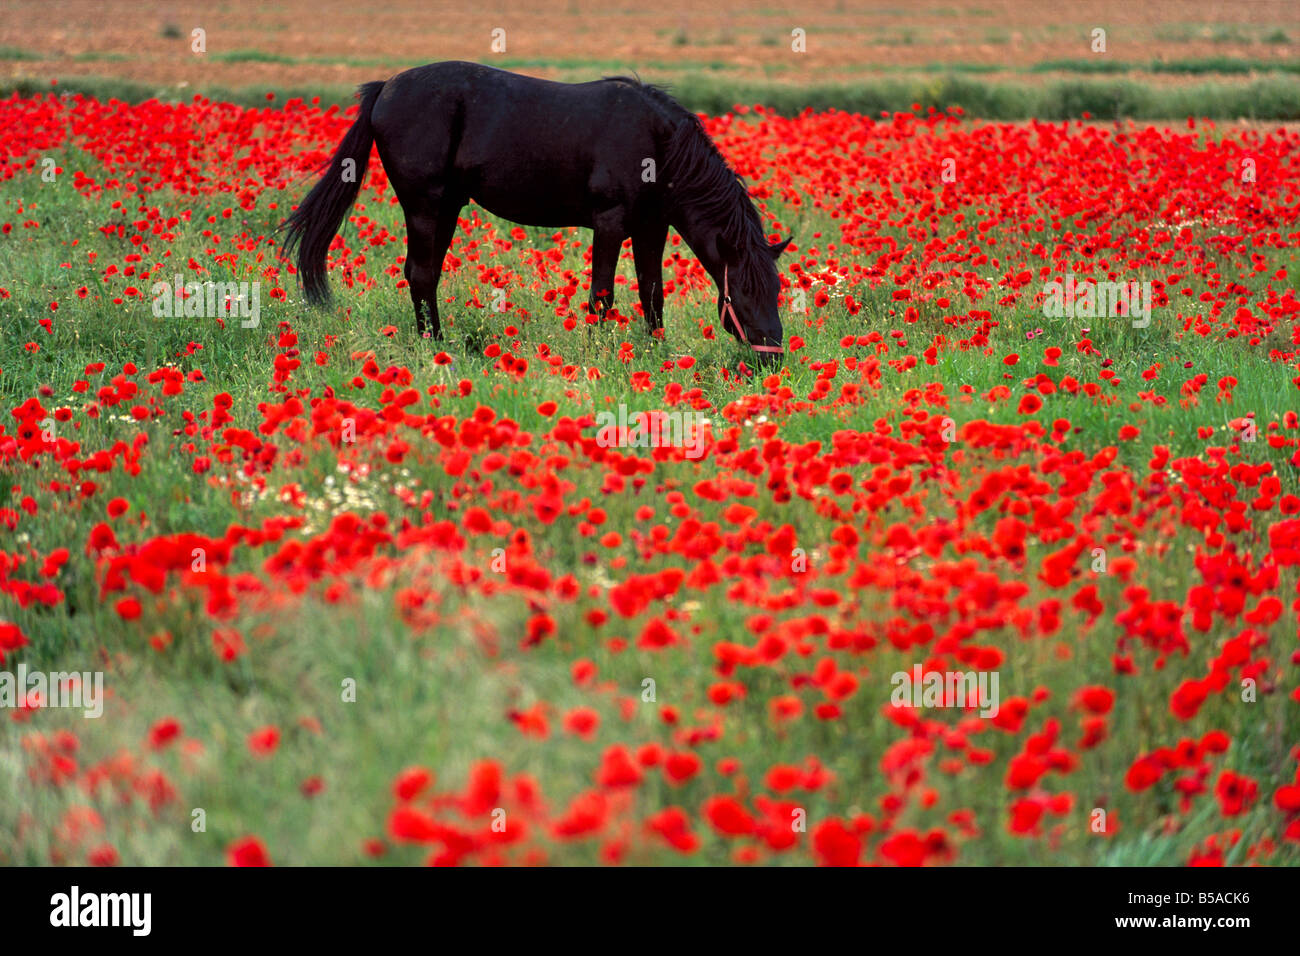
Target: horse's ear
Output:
[(777, 248)]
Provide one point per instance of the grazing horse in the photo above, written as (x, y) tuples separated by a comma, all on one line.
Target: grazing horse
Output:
[(618, 156)]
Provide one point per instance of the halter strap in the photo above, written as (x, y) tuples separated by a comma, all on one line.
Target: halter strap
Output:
[(728, 309)]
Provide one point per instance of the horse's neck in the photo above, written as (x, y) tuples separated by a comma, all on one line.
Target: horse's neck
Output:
[(699, 238)]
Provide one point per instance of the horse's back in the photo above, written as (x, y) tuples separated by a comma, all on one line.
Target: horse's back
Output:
[(535, 151), (483, 96)]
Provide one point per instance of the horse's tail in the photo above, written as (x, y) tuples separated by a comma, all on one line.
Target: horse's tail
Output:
[(311, 227)]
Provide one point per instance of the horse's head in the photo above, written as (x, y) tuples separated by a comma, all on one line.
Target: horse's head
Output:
[(748, 295)]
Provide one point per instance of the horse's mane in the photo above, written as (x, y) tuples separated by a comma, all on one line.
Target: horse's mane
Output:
[(702, 179)]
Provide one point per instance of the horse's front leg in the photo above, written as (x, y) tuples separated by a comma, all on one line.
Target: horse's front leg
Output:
[(606, 244), (648, 253)]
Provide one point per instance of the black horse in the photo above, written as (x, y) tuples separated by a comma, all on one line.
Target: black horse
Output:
[(618, 156)]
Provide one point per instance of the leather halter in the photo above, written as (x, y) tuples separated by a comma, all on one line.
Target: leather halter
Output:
[(728, 309)]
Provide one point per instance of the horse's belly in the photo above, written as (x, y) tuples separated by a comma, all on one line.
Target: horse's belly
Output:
[(534, 204)]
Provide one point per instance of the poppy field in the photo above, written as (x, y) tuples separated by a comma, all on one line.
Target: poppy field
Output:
[(352, 596)]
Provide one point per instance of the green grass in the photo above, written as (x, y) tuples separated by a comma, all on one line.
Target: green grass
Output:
[(1223, 65), (18, 53), (1269, 98), (436, 698), (252, 56), (92, 56)]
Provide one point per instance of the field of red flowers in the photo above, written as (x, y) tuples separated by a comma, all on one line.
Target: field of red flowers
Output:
[(354, 596)]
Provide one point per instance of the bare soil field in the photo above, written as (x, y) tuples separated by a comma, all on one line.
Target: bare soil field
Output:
[(308, 42)]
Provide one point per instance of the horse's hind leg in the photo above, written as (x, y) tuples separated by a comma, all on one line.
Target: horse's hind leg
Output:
[(429, 231), (421, 278)]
